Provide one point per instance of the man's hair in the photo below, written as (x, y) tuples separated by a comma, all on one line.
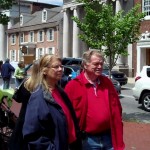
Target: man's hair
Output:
[(20, 63), (7, 60), (86, 57)]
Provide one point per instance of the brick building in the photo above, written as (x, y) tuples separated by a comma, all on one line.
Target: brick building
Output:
[(141, 50), (35, 34)]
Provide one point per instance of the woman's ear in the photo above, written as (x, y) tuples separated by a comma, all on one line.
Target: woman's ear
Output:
[(85, 66)]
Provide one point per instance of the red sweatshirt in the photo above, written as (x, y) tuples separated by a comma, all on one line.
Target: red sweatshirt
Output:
[(77, 92)]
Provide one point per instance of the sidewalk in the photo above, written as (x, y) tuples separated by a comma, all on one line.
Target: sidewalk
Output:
[(136, 136)]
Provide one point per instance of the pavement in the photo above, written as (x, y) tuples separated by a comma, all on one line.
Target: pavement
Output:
[(136, 134)]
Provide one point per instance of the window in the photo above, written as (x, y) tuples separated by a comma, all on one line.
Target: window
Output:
[(20, 55), (31, 36), (40, 36), (148, 72), (13, 55), (50, 50), (39, 53), (13, 39), (146, 8), (21, 37), (21, 20), (50, 34), (44, 16)]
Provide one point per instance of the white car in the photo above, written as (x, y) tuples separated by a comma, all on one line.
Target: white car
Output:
[(141, 90)]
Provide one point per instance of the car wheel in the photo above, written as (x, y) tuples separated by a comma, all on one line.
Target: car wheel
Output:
[(146, 101)]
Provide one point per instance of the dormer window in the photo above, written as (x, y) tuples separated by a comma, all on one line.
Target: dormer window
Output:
[(44, 16), (21, 20)]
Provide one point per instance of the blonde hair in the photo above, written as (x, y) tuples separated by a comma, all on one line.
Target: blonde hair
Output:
[(45, 61), (33, 81), (86, 57)]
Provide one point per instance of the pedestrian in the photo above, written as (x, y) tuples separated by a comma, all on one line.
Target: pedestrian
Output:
[(97, 105), (50, 121), (1, 62), (22, 95), (19, 73), (6, 72)]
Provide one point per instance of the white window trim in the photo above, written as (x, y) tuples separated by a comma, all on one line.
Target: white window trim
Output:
[(21, 20), (53, 50), (37, 52), (49, 35), (147, 17), (38, 36), (20, 55), (11, 51), (29, 37), (14, 39), (20, 37), (44, 12)]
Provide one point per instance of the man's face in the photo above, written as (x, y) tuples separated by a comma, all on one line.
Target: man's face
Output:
[(95, 66)]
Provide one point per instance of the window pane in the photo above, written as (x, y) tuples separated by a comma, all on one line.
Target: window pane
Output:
[(147, 7)]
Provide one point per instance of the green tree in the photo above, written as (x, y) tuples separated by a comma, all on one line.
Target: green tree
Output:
[(109, 32), (5, 5)]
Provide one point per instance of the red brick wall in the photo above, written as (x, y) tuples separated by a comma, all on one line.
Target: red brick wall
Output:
[(44, 44), (145, 26)]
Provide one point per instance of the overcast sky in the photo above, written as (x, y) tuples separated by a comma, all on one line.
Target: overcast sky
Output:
[(54, 2)]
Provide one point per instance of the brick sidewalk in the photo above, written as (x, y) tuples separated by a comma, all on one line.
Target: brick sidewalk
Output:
[(137, 136)]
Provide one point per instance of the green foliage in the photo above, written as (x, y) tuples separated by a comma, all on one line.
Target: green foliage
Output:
[(101, 27), (5, 5)]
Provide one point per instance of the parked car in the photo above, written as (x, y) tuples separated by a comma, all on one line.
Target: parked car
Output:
[(71, 61), (141, 89), (71, 71), (116, 75)]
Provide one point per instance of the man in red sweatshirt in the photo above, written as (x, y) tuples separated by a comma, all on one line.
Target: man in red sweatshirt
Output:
[(97, 105)]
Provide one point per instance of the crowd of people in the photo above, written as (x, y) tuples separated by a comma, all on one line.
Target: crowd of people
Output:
[(86, 115)]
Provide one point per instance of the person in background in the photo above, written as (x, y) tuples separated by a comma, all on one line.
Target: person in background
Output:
[(19, 73), (50, 121), (22, 96), (6, 72), (1, 62), (97, 105)]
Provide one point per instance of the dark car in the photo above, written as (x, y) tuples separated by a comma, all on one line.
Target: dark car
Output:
[(69, 73), (116, 75), (72, 71), (71, 61)]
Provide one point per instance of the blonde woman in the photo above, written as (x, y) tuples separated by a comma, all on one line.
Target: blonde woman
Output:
[(50, 121), (22, 96)]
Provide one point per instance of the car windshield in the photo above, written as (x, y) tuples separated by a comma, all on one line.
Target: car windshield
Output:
[(105, 67), (75, 67)]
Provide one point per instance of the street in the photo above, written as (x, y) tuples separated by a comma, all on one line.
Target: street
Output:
[(131, 109), (136, 135)]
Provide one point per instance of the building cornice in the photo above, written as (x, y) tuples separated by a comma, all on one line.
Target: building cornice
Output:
[(32, 28)]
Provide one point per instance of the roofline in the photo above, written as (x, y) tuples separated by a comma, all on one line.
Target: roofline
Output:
[(33, 27)]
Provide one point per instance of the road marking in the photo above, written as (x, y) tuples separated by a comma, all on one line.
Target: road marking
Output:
[(121, 95)]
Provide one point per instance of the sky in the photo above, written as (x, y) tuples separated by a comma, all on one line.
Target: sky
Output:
[(54, 2)]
